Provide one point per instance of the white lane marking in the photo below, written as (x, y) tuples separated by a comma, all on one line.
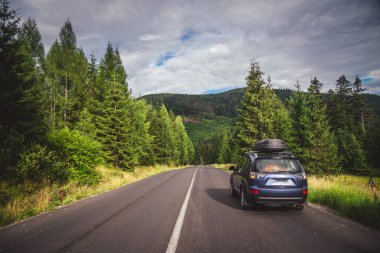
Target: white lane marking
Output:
[(178, 226)]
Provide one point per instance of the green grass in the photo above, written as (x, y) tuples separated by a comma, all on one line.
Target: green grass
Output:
[(349, 195), (201, 130), (20, 201)]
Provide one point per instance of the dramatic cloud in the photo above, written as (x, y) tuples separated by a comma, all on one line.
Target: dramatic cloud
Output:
[(206, 46)]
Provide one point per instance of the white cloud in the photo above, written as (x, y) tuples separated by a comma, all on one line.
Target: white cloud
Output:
[(293, 39)]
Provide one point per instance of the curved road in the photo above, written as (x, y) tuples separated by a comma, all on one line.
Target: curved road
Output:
[(141, 217)]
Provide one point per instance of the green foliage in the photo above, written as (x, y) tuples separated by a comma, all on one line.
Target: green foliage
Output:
[(21, 120), (38, 163), (350, 148), (349, 195), (262, 114), (184, 145), (200, 129), (312, 140), (224, 153), (80, 154)]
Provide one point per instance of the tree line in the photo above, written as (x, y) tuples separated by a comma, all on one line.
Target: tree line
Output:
[(62, 114), (334, 134)]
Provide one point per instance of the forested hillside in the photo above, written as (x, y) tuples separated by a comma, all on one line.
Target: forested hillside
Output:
[(348, 117), (227, 103), (221, 104)]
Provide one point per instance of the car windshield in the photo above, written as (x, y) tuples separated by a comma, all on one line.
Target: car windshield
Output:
[(277, 165)]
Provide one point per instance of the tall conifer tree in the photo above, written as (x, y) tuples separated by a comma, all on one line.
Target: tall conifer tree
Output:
[(262, 114)]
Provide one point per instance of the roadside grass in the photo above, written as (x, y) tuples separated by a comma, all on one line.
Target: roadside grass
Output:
[(222, 166), (20, 201), (348, 195)]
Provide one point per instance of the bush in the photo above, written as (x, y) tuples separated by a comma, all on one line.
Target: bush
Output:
[(37, 163), (80, 153)]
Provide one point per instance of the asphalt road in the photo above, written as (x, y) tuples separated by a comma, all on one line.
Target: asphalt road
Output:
[(141, 217)]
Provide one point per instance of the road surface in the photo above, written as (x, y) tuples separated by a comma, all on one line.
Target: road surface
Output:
[(141, 217)]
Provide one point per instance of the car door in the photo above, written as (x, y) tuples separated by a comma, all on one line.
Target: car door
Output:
[(245, 172), (237, 173)]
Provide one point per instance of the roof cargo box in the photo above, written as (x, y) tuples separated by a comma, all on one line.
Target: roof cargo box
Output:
[(270, 145)]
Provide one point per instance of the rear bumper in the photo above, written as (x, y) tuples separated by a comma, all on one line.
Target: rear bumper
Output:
[(286, 196)]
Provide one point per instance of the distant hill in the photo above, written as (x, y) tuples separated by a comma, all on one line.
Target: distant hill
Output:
[(207, 117), (225, 103), (221, 104)]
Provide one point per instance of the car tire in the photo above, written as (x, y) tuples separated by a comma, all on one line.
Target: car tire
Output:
[(243, 200), (232, 189)]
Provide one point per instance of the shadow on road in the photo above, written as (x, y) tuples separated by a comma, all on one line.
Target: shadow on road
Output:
[(223, 196)]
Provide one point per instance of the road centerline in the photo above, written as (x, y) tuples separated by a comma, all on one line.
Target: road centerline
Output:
[(172, 246)]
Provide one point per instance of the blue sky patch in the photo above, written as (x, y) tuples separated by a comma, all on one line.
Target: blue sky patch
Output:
[(216, 91), (367, 79), (187, 36), (162, 59)]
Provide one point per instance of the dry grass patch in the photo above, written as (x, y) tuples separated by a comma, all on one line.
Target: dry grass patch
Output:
[(20, 201)]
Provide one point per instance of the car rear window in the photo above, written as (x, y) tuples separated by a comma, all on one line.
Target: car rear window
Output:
[(277, 165)]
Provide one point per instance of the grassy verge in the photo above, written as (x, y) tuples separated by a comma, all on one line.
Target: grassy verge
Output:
[(349, 195), (20, 201), (222, 166)]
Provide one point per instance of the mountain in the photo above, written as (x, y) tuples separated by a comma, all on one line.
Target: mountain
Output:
[(225, 103)]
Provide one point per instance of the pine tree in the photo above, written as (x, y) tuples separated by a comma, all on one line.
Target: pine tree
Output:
[(20, 116), (113, 132), (299, 113), (161, 128), (262, 114), (342, 113), (358, 105), (67, 42), (224, 151), (323, 150), (184, 143)]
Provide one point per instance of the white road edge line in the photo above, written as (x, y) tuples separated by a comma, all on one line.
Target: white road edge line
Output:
[(178, 225)]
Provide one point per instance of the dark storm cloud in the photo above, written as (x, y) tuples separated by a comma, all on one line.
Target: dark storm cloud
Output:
[(212, 42)]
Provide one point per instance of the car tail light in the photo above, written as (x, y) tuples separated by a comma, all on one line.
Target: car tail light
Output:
[(252, 175), (305, 192), (254, 191)]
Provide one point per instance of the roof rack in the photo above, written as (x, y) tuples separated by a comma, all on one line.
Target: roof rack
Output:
[(256, 154), (270, 145)]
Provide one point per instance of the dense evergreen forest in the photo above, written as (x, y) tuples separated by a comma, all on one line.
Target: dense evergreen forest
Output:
[(227, 103), (330, 132), (62, 113)]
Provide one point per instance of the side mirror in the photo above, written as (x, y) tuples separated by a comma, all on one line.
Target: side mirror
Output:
[(232, 168)]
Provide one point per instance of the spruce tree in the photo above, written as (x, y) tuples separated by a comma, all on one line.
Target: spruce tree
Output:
[(262, 115), (21, 120), (112, 130), (323, 155), (342, 113), (184, 144), (359, 108), (224, 150), (299, 113)]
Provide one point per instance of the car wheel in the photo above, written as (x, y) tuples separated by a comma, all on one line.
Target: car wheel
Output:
[(243, 201), (232, 189)]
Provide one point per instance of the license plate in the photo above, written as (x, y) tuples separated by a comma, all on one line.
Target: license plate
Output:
[(274, 182)]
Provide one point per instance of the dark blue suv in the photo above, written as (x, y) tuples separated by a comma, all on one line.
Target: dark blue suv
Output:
[(269, 175)]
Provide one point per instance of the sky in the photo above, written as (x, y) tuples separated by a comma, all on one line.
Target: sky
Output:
[(203, 47)]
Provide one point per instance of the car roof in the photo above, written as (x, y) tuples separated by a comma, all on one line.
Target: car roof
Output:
[(258, 154)]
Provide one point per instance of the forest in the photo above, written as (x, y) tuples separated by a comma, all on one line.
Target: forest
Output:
[(62, 114), (334, 132)]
